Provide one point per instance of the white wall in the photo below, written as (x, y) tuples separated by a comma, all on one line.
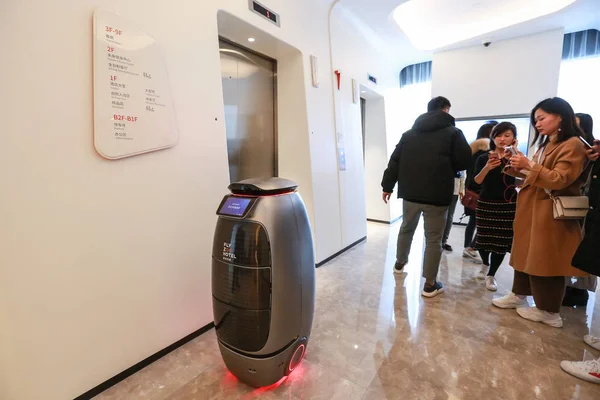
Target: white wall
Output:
[(376, 157), (358, 52), (508, 77), (104, 263)]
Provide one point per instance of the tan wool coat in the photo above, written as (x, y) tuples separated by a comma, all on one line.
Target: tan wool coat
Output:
[(543, 246)]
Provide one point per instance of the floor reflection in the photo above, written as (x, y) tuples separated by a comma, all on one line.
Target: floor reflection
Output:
[(374, 337)]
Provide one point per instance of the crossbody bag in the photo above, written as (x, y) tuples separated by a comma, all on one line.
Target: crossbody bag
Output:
[(567, 207)]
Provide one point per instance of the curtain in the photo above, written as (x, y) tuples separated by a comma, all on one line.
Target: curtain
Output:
[(581, 44), (416, 73)]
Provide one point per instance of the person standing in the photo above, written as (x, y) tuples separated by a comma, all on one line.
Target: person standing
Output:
[(497, 204), (480, 146), (424, 165), (543, 246), (586, 123), (586, 258), (577, 289), (459, 192)]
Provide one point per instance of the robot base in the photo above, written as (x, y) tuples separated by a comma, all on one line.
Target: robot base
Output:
[(261, 372)]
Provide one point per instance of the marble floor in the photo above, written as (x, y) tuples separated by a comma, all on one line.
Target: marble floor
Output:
[(374, 337)]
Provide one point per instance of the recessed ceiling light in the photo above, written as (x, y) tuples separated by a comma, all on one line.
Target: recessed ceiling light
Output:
[(432, 24), (363, 91), (251, 40)]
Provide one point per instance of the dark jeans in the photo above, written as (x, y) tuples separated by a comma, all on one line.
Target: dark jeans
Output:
[(449, 219), (470, 231)]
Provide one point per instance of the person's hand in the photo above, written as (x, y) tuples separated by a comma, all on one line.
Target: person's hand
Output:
[(519, 161), (594, 153), (507, 153), (493, 162), (462, 196), (386, 197)]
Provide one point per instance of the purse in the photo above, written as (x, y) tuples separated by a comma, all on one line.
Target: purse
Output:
[(470, 199), (569, 207)]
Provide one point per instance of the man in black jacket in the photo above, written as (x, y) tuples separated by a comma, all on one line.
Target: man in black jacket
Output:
[(424, 165)]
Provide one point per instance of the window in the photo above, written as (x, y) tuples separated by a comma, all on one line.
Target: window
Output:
[(415, 93), (579, 84), (579, 81)]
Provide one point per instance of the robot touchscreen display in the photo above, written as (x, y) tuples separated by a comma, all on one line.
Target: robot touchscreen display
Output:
[(235, 206)]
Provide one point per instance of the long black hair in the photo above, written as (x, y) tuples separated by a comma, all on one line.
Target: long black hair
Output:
[(586, 123), (568, 126)]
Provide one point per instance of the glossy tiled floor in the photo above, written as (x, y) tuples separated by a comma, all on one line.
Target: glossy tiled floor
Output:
[(374, 337)]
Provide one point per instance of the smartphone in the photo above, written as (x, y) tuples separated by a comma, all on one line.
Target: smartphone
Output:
[(494, 155), (589, 146), (512, 150)]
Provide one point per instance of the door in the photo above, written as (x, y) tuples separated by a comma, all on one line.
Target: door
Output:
[(363, 114), (249, 98)]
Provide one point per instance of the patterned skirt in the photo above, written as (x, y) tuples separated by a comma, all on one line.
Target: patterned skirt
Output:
[(495, 221)]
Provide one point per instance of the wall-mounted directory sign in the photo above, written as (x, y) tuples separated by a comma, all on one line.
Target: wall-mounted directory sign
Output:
[(133, 107)]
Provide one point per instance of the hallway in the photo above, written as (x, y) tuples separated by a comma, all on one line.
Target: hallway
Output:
[(374, 337)]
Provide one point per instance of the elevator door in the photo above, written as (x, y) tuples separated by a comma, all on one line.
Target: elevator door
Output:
[(249, 97)]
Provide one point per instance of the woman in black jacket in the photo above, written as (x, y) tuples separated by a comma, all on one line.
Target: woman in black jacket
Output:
[(586, 259), (586, 123), (587, 255), (497, 203), (480, 146)]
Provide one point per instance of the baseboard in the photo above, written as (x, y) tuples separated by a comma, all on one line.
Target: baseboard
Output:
[(341, 252), (143, 364), (385, 222)]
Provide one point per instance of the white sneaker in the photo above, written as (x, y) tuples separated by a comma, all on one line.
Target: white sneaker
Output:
[(483, 272), (472, 255), (490, 284), (593, 341), (586, 370), (511, 300), (537, 315)]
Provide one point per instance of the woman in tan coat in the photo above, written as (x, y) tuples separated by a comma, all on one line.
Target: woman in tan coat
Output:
[(543, 247)]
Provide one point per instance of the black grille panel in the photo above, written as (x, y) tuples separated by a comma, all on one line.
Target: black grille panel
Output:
[(248, 288), (246, 330), (241, 243)]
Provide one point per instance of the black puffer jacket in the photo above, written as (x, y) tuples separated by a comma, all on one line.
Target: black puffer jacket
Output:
[(587, 257), (425, 162)]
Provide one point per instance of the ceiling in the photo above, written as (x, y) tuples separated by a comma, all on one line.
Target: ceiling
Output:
[(377, 15)]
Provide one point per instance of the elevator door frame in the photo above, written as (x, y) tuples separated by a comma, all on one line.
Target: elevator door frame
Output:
[(275, 100)]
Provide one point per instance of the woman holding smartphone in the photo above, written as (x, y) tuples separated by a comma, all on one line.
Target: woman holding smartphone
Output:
[(497, 203), (543, 246)]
